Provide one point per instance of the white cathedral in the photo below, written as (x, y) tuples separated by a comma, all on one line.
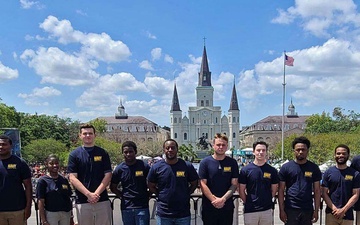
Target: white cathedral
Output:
[(205, 120)]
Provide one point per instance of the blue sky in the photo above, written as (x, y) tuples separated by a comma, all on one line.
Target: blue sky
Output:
[(77, 59)]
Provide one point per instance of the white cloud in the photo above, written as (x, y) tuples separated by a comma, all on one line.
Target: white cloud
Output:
[(318, 76), (168, 58), (36, 98), (27, 4), (146, 65), (155, 54), (320, 18), (159, 87), (58, 67), (103, 94), (149, 35), (6, 73), (80, 12), (98, 46)]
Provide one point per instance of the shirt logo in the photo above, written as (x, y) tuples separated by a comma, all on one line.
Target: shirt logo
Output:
[(227, 169), (267, 175), (64, 186), (180, 173), (97, 158), (12, 166), (308, 174), (139, 173), (348, 177)]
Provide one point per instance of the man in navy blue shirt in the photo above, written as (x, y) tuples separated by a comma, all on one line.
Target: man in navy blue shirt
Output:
[(129, 183), (15, 186), (300, 178), (172, 180), (340, 189), (258, 183), (90, 173), (218, 181), (355, 163)]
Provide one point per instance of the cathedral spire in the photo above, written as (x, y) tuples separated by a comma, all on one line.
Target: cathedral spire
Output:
[(234, 102), (175, 106), (205, 74)]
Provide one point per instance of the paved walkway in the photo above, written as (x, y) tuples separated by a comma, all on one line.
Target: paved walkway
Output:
[(196, 218)]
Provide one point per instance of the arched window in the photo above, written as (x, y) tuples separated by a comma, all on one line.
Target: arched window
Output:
[(175, 135), (234, 135), (185, 136), (175, 120)]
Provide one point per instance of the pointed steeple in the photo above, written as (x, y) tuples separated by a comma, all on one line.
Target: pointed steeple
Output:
[(234, 102), (175, 106), (205, 74)]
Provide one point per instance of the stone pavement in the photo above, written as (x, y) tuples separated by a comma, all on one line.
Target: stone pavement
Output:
[(196, 216)]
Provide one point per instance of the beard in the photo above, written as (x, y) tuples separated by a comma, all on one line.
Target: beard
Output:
[(341, 161)]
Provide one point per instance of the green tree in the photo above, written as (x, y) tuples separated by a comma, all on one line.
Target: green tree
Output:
[(9, 117), (38, 150), (187, 152), (100, 125)]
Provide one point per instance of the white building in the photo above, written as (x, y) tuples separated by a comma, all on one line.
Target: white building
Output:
[(204, 119)]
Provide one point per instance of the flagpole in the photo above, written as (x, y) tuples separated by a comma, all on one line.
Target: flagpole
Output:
[(283, 114)]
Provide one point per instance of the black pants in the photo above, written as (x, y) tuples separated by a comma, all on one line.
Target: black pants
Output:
[(299, 217), (217, 216)]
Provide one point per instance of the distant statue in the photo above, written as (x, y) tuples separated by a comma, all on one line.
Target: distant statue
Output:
[(203, 144)]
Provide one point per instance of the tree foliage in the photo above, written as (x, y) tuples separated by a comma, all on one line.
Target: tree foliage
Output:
[(38, 150), (187, 152), (9, 117), (100, 125)]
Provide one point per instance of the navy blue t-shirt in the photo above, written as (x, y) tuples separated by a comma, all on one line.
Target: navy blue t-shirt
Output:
[(173, 186), (299, 180), (90, 165), (341, 184), (258, 181), (12, 173), (55, 192), (133, 181), (218, 174), (355, 163)]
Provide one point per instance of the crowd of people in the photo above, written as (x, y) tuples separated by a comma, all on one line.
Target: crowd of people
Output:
[(299, 186)]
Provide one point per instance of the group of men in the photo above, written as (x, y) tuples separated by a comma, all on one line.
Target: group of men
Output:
[(173, 180)]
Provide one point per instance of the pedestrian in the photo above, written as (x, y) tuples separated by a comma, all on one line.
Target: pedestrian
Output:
[(300, 179), (218, 181), (90, 173), (340, 189), (172, 180), (15, 186), (355, 163), (258, 184), (128, 182), (53, 193)]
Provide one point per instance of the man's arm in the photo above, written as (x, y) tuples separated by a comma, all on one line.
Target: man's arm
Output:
[(340, 213), (193, 185), (220, 202), (92, 197), (152, 188), (28, 195), (317, 200), (274, 189), (205, 190), (281, 195), (104, 183), (114, 189), (242, 192)]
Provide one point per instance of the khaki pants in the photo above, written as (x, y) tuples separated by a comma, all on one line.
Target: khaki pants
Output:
[(331, 220), (259, 218), (12, 218), (98, 213)]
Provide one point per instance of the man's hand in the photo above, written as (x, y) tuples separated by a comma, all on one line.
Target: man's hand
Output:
[(93, 198), (218, 202), (27, 212), (283, 216), (315, 216)]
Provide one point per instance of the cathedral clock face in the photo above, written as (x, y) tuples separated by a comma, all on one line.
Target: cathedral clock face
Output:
[(204, 113)]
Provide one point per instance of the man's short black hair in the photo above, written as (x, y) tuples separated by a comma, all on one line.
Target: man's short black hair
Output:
[(260, 143), (5, 137), (129, 144), (302, 140)]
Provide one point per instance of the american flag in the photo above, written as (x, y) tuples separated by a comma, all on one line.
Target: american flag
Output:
[(289, 61)]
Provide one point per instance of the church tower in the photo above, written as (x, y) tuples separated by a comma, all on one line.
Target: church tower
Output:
[(234, 120), (175, 116), (204, 120)]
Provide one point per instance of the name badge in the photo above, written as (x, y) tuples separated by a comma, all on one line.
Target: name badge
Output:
[(180, 173), (97, 158), (139, 173), (227, 169), (12, 166), (267, 175)]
